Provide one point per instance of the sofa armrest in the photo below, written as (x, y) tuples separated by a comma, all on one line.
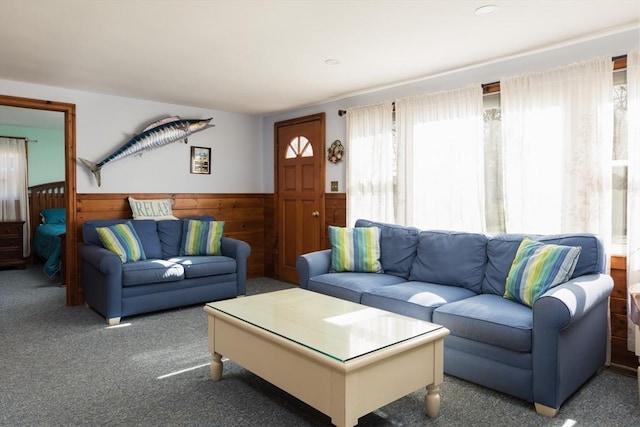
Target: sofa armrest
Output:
[(101, 259), (240, 251), (568, 302), (312, 264), (102, 280), (570, 333)]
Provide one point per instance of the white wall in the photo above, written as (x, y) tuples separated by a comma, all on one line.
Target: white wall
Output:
[(615, 44), (104, 123)]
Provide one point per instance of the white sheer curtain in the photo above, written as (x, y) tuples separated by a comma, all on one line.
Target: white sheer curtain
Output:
[(14, 198), (441, 160), (370, 157), (558, 141), (633, 176)]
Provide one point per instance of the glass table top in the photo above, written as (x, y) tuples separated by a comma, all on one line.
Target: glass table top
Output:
[(337, 328)]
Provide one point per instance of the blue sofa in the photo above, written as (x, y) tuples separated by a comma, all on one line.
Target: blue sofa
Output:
[(540, 354), (165, 279)]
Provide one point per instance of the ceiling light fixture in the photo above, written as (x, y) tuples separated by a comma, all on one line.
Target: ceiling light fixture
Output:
[(487, 9), (332, 61)]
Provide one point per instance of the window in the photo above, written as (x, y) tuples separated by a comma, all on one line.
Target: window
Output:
[(620, 159), (299, 147), (494, 202), (494, 197), (493, 159), (13, 178)]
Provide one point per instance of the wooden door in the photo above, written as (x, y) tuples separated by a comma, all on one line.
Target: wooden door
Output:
[(299, 153)]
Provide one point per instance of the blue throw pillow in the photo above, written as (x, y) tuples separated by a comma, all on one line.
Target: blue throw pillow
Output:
[(398, 245), (538, 267), (122, 240)]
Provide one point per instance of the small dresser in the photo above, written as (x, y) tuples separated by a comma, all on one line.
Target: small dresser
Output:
[(11, 244)]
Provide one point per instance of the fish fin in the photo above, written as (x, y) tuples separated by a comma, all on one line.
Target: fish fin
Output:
[(161, 122), (93, 167)]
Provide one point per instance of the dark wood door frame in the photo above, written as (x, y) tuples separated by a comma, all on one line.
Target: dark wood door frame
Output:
[(71, 237)]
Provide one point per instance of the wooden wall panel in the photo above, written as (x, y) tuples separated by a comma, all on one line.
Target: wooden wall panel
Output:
[(244, 216), (335, 213), (618, 308), (270, 243)]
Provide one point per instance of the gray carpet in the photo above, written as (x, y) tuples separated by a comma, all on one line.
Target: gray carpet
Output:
[(63, 366)]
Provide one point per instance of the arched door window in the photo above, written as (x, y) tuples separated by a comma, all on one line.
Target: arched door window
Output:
[(299, 147)]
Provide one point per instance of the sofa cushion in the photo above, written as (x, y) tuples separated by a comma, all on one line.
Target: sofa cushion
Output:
[(355, 249), (490, 319), (397, 246), (349, 285), (151, 271), (502, 248), (122, 240), (200, 266), (145, 228), (450, 258), (201, 237), (414, 299), (538, 267), (170, 235)]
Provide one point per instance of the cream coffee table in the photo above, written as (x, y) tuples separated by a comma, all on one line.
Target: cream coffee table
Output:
[(342, 358)]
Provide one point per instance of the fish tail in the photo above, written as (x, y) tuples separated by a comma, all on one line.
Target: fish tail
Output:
[(95, 169)]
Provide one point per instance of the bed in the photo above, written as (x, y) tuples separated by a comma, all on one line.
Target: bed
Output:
[(48, 225)]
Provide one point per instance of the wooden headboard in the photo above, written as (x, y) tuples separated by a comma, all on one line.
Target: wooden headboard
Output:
[(44, 196)]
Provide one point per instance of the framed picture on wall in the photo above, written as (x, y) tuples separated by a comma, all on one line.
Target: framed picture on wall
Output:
[(201, 160)]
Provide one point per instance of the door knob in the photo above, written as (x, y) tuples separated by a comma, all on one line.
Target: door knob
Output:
[(315, 213)]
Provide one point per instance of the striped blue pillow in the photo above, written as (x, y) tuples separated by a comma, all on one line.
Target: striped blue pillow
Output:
[(122, 240), (355, 249), (538, 267), (201, 237)]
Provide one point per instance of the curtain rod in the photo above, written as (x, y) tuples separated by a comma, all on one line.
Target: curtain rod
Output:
[(619, 62), (19, 137), (343, 112)]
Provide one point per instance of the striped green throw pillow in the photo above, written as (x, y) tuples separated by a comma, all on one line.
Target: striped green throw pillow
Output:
[(201, 237), (122, 240), (538, 267), (355, 249)]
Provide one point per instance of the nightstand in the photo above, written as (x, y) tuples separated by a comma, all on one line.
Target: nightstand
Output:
[(11, 244)]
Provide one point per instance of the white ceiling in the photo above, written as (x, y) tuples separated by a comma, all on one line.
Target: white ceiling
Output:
[(262, 57)]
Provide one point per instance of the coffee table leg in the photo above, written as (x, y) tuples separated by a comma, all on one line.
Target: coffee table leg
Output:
[(216, 366), (432, 400)]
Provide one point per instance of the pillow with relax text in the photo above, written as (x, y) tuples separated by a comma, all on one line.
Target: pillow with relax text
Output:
[(122, 240), (538, 267), (201, 237), (157, 209), (355, 249)]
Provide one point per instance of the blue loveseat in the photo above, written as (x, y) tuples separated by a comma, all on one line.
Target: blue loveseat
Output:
[(540, 354), (165, 279)]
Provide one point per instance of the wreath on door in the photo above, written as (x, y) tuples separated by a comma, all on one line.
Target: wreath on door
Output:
[(336, 151)]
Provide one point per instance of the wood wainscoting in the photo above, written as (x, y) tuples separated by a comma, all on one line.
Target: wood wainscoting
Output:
[(618, 311), (335, 213)]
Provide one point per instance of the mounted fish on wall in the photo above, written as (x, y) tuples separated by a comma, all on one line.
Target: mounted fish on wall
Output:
[(157, 134)]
